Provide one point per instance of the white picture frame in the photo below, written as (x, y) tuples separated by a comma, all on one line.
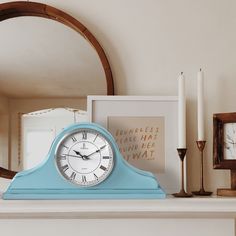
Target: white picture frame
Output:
[(100, 108)]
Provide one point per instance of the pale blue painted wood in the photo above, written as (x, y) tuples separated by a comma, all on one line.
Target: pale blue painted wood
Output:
[(45, 182)]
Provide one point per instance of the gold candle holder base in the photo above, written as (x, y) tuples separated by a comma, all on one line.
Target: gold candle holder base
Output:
[(182, 192), (201, 192)]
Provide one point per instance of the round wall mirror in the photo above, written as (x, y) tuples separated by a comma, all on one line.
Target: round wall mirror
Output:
[(48, 60)]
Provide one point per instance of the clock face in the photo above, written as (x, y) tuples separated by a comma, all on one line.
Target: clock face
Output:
[(230, 141), (84, 157)]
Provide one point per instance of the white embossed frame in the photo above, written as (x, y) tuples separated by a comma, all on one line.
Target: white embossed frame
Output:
[(145, 129)]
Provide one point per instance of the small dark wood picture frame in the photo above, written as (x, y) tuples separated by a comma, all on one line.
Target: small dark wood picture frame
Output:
[(219, 160)]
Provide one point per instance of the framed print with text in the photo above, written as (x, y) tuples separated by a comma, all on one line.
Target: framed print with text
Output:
[(145, 129)]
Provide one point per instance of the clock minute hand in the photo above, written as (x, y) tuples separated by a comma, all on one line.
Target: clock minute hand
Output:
[(96, 151), (73, 155)]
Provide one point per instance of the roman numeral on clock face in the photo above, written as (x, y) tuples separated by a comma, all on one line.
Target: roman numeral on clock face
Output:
[(103, 168), (105, 157), (84, 178), (95, 176), (73, 139), (65, 146), (65, 168), (63, 157), (73, 175), (84, 135), (95, 138)]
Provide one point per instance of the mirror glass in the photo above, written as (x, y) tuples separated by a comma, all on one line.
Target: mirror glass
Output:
[(230, 141), (39, 129), (43, 65)]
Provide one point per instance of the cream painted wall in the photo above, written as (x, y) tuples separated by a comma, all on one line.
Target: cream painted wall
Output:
[(150, 42)]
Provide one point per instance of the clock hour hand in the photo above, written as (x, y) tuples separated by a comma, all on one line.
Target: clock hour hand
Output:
[(84, 157), (77, 153)]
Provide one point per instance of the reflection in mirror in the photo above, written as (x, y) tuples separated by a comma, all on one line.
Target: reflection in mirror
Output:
[(51, 60), (44, 64), (230, 141), (38, 130)]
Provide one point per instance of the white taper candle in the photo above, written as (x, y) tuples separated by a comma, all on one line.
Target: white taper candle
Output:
[(200, 105), (181, 112)]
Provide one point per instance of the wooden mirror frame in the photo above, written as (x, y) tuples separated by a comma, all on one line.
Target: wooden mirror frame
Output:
[(24, 8)]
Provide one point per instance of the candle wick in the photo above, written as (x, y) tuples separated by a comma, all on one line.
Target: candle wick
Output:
[(182, 73), (200, 69)]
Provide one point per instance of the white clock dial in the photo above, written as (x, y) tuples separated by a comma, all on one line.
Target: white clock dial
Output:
[(230, 141), (84, 157)]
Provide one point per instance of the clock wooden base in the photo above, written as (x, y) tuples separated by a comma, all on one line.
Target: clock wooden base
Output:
[(46, 182), (97, 194), (226, 192), (229, 192)]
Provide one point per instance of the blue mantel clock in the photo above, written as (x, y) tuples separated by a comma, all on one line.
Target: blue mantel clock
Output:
[(84, 162)]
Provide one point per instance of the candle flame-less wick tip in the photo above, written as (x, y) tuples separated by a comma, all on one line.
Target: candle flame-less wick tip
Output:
[(182, 73), (200, 69)]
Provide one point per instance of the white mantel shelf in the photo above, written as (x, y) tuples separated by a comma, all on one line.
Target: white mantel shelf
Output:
[(171, 207)]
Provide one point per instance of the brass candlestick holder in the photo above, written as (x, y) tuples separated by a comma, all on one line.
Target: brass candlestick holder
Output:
[(201, 192), (182, 192)]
